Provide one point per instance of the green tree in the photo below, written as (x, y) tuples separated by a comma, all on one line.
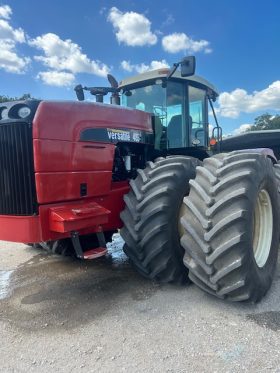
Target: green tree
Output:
[(266, 122), (25, 96)]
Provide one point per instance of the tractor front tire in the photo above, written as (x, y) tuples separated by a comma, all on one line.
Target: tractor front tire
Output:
[(152, 218), (232, 226)]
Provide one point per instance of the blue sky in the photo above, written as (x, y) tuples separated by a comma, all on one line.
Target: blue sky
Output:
[(47, 47)]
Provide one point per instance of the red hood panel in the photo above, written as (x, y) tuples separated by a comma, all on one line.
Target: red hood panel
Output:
[(64, 120)]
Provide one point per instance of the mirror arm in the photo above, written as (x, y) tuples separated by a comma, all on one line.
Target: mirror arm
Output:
[(219, 129), (175, 67)]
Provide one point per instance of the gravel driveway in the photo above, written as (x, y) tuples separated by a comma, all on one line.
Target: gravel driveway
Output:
[(65, 315)]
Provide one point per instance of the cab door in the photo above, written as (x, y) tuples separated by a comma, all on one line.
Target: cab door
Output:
[(198, 115)]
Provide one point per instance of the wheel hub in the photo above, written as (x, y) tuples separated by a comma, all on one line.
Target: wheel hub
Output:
[(262, 228), (182, 212)]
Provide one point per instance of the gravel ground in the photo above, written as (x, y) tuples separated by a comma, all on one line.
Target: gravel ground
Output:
[(65, 315)]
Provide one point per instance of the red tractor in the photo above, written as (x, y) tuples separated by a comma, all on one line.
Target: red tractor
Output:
[(73, 173)]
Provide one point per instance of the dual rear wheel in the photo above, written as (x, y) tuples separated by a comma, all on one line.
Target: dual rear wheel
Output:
[(226, 232)]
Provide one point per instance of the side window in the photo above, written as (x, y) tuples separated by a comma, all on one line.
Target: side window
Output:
[(176, 126), (197, 116)]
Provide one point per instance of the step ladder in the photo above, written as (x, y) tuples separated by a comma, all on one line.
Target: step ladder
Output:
[(91, 253)]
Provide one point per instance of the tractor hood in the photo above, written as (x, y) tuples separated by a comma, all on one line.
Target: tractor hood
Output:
[(67, 120)]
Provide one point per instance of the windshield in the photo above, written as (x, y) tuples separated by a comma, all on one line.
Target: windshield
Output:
[(150, 98)]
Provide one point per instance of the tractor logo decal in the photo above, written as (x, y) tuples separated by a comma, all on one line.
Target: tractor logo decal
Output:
[(118, 135), (124, 135), (115, 135)]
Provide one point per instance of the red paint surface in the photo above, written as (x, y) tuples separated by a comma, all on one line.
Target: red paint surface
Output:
[(20, 228), (62, 163), (112, 202), (68, 156), (95, 253), (65, 186), (65, 120), (38, 228), (76, 217)]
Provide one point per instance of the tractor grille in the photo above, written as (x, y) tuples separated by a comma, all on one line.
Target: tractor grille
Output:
[(17, 183)]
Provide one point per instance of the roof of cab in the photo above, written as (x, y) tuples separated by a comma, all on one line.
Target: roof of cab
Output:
[(161, 73)]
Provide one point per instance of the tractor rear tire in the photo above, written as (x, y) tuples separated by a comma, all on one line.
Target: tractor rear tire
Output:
[(232, 226), (277, 174), (151, 218)]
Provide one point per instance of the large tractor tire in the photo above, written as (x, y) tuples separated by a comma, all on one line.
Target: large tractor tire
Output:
[(231, 226), (152, 218), (277, 174)]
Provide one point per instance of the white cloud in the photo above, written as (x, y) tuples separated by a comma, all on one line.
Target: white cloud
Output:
[(243, 128), (57, 78), (5, 11), (65, 59), (178, 42), (142, 67), (61, 55), (127, 66), (10, 61), (9, 34), (231, 104), (132, 29)]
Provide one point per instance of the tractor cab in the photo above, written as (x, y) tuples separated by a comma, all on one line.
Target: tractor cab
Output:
[(177, 100), (178, 104)]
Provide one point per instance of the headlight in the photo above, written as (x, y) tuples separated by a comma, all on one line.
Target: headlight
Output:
[(4, 113), (24, 112)]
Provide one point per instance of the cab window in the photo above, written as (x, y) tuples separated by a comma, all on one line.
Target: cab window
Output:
[(176, 124), (197, 116)]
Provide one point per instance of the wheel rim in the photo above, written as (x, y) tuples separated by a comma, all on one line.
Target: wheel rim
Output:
[(182, 212), (262, 228)]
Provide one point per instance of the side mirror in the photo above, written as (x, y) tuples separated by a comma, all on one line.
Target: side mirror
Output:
[(188, 66), (113, 82), (79, 92)]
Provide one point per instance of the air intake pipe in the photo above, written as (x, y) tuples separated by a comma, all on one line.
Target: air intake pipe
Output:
[(100, 92)]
